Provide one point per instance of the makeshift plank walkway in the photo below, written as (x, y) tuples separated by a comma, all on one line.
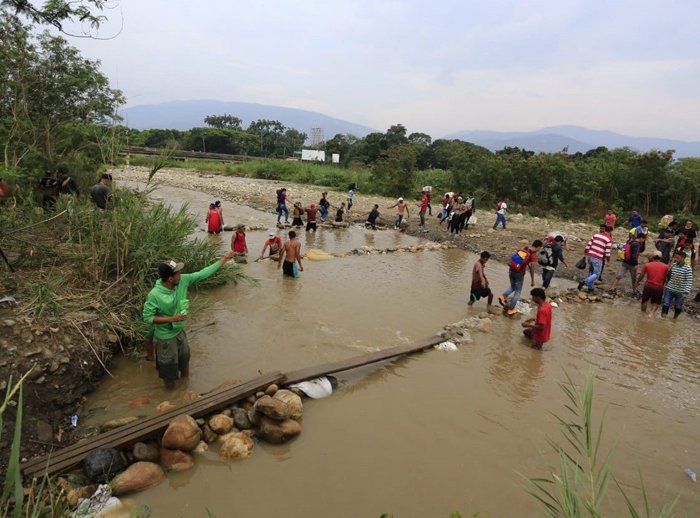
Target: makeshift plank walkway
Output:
[(131, 433)]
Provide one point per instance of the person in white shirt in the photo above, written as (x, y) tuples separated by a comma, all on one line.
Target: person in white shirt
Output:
[(501, 208)]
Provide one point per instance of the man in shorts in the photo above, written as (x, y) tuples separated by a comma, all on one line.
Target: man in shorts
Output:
[(166, 309), (480, 284), (539, 329), (290, 256), (655, 272)]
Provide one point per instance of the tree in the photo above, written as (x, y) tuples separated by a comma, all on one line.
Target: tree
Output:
[(57, 12), (223, 121), (47, 89), (395, 172), (269, 133)]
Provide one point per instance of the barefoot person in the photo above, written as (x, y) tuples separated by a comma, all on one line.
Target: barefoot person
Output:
[(401, 212), (521, 261), (291, 256), (539, 329), (166, 309), (480, 284)]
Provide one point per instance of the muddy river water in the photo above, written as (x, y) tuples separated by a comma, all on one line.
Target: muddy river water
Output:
[(429, 434)]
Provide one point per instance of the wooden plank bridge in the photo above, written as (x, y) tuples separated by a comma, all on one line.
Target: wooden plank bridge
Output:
[(124, 436)]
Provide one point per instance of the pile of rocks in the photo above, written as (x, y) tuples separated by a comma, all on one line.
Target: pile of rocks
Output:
[(459, 332), (368, 250), (272, 415)]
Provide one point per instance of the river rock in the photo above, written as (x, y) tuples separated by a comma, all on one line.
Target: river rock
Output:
[(236, 445), (582, 295), (277, 432), (102, 464), (201, 447), (165, 406), (208, 434), (254, 416), (146, 452), (139, 401), (271, 389), (182, 434), (240, 419), (273, 408), (138, 476), (116, 423), (221, 423), (293, 401), (73, 496), (177, 460)]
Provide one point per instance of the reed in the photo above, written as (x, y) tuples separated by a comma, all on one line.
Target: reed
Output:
[(577, 485)]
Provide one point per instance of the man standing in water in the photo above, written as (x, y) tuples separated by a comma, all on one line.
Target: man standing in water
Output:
[(539, 329), (290, 256), (480, 284), (166, 309), (678, 285), (655, 271)]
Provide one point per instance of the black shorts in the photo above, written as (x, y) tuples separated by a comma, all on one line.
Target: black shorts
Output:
[(311, 225), (653, 293), (478, 293), (289, 269), (297, 222)]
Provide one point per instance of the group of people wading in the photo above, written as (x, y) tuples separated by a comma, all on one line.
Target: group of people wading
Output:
[(667, 274)]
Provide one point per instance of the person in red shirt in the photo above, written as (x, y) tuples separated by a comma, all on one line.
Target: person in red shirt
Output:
[(239, 245), (610, 218), (655, 271), (539, 329), (423, 208), (274, 242), (311, 211), (213, 220)]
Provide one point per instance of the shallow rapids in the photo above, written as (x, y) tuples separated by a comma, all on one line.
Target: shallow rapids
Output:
[(428, 434)]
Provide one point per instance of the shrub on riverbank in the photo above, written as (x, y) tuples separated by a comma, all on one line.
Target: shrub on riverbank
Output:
[(107, 261)]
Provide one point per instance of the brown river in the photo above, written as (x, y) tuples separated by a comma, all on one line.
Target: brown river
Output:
[(429, 434)]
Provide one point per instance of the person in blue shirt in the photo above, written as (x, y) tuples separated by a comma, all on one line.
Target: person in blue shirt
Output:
[(635, 219)]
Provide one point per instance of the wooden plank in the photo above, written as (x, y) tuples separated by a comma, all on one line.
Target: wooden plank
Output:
[(129, 434), (359, 361)]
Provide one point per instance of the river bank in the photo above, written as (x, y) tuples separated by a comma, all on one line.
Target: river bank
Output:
[(501, 243)]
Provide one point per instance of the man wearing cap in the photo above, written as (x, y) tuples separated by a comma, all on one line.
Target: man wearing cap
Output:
[(401, 208), (274, 242), (166, 309), (655, 272)]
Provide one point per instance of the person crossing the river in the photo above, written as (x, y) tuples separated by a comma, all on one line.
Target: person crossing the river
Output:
[(521, 261), (401, 208), (539, 329), (290, 257), (480, 284), (274, 243), (166, 309)]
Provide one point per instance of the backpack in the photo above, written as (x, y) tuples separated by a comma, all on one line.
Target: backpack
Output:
[(628, 251), (546, 256), (498, 206), (519, 260)]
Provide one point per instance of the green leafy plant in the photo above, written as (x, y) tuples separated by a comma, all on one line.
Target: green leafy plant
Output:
[(577, 485)]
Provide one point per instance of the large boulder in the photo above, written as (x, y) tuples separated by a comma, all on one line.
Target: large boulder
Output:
[(177, 460), (220, 423), (254, 416), (241, 420), (138, 476), (292, 401), (236, 445), (277, 432), (102, 464), (273, 408), (146, 452), (182, 434)]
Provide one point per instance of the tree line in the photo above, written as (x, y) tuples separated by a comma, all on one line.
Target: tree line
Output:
[(56, 107)]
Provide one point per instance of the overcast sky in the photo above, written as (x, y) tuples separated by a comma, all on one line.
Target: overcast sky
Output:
[(630, 66)]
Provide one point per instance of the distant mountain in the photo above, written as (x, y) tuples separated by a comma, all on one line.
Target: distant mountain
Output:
[(183, 115), (579, 139)]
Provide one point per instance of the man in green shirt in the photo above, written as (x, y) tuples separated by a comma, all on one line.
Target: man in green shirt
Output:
[(166, 309)]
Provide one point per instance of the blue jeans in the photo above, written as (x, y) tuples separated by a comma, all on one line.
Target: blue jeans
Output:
[(399, 219), (282, 207), (672, 296), (516, 286), (597, 267), (323, 210), (547, 277), (500, 218)]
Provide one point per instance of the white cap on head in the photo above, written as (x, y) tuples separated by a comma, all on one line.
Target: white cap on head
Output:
[(400, 199), (271, 233)]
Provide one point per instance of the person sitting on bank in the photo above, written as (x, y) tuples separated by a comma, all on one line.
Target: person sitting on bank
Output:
[(166, 309), (100, 193)]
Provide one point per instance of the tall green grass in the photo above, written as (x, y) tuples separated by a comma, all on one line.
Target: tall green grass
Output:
[(576, 486)]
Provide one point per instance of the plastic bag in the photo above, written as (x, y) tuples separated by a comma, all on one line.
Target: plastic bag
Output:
[(581, 263), (471, 220)]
